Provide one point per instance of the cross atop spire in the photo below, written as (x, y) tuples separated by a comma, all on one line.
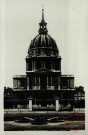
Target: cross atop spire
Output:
[(42, 6), (43, 28)]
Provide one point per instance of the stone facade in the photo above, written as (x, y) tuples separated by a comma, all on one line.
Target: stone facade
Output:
[(47, 88)]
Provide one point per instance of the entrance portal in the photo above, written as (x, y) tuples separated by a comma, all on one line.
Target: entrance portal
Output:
[(43, 82)]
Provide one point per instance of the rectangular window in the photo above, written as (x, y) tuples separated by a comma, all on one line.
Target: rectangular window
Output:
[(72, 83), (38, 64), (57, 65), (48, 64), (55, 81), (64, 82), (23, 83), (15, 83), (30, 65)]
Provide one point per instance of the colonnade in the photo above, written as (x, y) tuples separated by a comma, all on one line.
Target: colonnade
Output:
[(49, 82), (43, 65)]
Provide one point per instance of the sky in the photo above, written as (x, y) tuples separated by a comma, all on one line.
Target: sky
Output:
[(66, 23)]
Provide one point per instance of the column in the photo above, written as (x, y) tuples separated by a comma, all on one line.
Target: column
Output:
[(47, 82), (60, 65), (30, 104), (68, 83), (57, 104), (35, 82), (58, 82), (32, 66), (44, 65), (27, 66), (53, 65), (51, 83), (27, 83), (39, 82)]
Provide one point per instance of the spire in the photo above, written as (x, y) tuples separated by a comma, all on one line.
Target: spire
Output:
[(42, 13), (43, 28)]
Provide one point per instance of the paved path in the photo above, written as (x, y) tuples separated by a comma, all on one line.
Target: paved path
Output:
[(67, 126), (26, 111)]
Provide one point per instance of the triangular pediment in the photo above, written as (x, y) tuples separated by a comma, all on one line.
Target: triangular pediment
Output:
[(43, 70)]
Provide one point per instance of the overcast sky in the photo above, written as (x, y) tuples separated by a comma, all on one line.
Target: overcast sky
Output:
[(67, 23)]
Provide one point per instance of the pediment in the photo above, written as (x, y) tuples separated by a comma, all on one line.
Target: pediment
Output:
[(43, 70)]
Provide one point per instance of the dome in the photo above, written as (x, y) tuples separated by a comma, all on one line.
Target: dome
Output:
[(43, 44), (43, 40)]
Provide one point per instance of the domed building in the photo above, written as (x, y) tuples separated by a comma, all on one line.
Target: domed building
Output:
[(43, 87)]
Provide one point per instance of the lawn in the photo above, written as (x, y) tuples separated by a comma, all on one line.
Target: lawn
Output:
[(72, 121)]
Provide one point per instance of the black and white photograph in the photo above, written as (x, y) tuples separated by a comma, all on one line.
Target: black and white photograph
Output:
[(45, 67)]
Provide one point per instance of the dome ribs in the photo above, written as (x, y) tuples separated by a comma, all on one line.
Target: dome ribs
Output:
[(43, 43)]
